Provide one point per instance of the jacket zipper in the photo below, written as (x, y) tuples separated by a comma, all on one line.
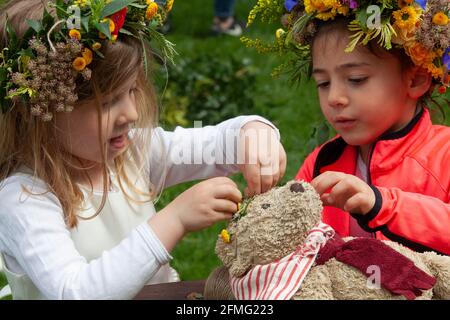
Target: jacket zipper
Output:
[(369, 178)]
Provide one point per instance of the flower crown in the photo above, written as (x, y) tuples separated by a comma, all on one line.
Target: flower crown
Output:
[(420, 27), (41, 68)]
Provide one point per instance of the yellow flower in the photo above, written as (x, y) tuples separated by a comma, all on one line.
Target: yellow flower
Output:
[(239, 205), (79, 64), (96, 46), (82, 3), (406, 18), (152, 9), (74, 33), (149, 1), (169, 5), (225, 236), (326, 15), (440, 19), (279, 33), (101, 35), (87, 55), (343, 10), (112, 25), (321, 6), (436, 72)]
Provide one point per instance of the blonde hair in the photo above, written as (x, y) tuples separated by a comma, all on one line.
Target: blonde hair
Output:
[(25, 140)]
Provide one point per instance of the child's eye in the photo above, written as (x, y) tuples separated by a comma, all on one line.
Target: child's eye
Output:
[(358, 80), (322, 85)]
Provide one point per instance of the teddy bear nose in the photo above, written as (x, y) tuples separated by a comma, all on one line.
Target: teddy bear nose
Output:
[(297, 187), (265, 205)]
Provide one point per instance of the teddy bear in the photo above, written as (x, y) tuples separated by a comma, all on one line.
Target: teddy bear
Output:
[(275, 224)]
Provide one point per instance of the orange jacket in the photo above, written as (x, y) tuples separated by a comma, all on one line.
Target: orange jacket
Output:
[(409, 173)]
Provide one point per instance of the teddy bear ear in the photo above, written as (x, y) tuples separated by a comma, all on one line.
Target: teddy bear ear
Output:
[(296, 188)]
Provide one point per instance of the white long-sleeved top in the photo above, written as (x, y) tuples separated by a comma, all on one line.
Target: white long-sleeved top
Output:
[(115, 254)]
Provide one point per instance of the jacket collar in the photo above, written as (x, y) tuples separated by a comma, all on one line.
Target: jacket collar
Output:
[(387, 151)]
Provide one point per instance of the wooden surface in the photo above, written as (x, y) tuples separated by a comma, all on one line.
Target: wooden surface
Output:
[(184, 290)]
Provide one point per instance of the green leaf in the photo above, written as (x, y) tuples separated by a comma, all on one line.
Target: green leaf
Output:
[(85, 23), (60, 10), (47, 21), (12, 37), (115, 6), (3, 74), (140, 6), (125, 31), (361, 17), (35, 24), (103, 27), (5, 104)]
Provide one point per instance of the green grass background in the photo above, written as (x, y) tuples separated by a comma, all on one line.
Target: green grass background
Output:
[(294, 109)]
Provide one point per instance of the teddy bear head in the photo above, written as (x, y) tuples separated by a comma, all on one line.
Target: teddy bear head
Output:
[(269, 227)]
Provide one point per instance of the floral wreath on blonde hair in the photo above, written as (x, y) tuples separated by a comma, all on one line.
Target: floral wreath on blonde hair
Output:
[(420, 27), (41, 68)]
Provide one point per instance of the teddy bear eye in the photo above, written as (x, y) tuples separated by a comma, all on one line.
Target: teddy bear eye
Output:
[(265, 205), (297, 187)]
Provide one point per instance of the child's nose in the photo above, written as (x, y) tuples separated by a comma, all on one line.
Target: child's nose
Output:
[(128, 112), (337, 96)]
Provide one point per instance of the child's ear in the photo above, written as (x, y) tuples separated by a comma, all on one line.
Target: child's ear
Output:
[(419, 82)]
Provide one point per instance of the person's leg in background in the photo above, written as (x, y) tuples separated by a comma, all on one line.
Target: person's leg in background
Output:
[(224, 20)]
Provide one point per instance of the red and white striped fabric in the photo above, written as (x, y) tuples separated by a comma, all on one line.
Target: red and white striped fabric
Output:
[(281, 279)]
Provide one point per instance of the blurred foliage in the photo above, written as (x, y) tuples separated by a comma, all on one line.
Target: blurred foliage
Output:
[(208, 88)]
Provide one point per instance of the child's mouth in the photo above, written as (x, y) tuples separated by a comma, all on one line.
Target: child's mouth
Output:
[(118, 142), (345, 124)]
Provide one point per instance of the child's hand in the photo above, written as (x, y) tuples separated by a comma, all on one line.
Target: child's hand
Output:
[(348, 193), (265, 159), (206, 203)]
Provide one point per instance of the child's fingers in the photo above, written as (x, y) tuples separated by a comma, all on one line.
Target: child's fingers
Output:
[(253, 173), (266, 176), (356, 204), (227, 191), (326, 180), (224, 216), (223, 181), (342, 191), (360, 203), (225, 206), (283, 164)]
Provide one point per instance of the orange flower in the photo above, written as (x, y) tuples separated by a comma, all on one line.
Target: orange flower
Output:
[(419, 54), (74, 33), (87, 55), (440, 19), (152, 9), (79, 64)]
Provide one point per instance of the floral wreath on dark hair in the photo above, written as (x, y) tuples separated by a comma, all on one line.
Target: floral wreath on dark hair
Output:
[(41, 68), (420, 27)]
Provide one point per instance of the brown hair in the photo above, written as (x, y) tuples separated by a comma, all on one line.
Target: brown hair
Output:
[(26, 140), (340, 24)]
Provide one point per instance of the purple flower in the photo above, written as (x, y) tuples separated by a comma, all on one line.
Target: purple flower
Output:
[(290, 4), (353, 4), (446, 58), (422, 3)]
